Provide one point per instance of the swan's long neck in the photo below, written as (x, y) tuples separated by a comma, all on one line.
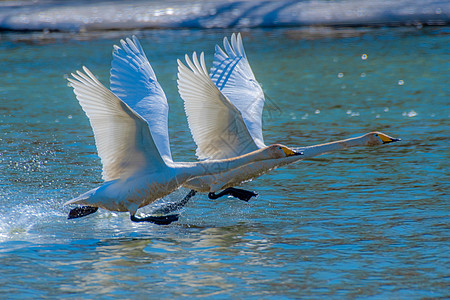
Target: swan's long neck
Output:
[(311, 151), (320, 149), (255, 169), (212, 167)]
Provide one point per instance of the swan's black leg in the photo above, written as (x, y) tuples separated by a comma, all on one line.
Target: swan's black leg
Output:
[(215, 196), (241, 194), (170, 207), (159, 220), (81, 211)]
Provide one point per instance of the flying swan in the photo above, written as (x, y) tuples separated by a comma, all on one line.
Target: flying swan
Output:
[(224, 111), (131, 135)]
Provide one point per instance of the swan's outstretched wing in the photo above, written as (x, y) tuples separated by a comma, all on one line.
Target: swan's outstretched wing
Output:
[(233, 76), (123, 139), (134, 82), (216, 125)]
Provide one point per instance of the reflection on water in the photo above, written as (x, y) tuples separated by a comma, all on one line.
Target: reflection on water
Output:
[(369, 222)]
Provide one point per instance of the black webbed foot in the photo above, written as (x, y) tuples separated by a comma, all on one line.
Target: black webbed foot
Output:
[(159, 220), (241, 194), (81, 211)]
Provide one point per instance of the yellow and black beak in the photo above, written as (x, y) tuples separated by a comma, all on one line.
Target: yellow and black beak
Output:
[(387, 139), (290, 152)]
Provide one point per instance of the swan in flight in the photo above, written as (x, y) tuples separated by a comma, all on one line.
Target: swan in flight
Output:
[(131, 135), (224, 111)]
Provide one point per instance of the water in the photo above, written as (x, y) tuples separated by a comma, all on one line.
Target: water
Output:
[(363, 223)]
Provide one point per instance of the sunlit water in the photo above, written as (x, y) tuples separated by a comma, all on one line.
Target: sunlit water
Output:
[(361, 223)]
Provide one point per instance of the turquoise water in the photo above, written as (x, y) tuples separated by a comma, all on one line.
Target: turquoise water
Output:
[(362, 223)]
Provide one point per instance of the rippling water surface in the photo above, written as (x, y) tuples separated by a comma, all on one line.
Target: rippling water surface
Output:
[(361, 223)]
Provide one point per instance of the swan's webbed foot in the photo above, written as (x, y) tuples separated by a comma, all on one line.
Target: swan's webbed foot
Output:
[(81, 211), (159, 220), (241, 194), (173, 206)]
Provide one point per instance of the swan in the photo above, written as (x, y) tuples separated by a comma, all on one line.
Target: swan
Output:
[(224, 111), (133, 142)]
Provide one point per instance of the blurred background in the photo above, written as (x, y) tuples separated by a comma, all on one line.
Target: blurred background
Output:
[(361, 223)]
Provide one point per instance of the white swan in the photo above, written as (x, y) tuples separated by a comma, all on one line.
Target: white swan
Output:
[(224, 111), (134, 146)]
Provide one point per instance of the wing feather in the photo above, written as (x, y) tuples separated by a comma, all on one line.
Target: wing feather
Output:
[(216, 125), (134, 82), (232, 74), (122, 137)]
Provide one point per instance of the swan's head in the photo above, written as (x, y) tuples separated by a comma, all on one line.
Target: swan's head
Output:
[(379, 138), (281, 151)]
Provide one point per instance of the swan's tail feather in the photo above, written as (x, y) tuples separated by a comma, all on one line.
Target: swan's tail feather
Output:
[(82, 199)]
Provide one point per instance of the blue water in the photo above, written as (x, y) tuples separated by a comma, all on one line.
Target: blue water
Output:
[(362, 223)]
